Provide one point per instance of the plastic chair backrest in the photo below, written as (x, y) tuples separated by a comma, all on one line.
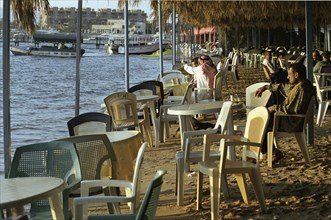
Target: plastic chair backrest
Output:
[(167, 78), (223, 117), (255, 129), (187, 98), (148, 206), (143, 89), (266, 72), (48, 159), (325, 69), (234, 62), (170, 71), (159, 88), (218, 81), (137, 173), (122, 106), (93, 151), (252, 100), (81, 124)]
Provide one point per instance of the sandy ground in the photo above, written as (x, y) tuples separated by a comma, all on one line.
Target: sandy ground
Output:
[(293, 190)]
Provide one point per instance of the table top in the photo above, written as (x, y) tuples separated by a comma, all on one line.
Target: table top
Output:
[(196, 108), (117, 136), (23, 190), (199, 108), (142, 98)]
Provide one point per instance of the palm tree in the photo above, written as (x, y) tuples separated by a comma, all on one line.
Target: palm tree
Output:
[(24, 12)]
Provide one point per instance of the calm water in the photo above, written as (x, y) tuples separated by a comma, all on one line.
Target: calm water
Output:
[(43, 91)]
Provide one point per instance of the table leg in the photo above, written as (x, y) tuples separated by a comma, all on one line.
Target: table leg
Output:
[(184, 125), (56, 207)]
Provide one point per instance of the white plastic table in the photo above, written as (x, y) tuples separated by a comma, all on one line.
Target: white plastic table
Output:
[(17, 192)]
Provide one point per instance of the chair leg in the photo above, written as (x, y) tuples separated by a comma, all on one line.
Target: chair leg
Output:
[(225, 187), (241, 180), (256, 181), (301, 139), (147, 130), (180, 181), (214, 194), (322, 108), (199, 190), (270, 142)]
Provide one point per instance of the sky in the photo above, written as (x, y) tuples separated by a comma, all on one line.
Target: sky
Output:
[(144, 5)]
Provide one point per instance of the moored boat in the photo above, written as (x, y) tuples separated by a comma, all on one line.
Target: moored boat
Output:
[(138, 44), (140, 49), (55, 45)]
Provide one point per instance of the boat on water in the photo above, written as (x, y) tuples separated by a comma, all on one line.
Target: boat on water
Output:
[(50, 44), (138, 44), (140, 49)]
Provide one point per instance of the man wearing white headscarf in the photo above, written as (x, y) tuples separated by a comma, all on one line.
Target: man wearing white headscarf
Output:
[(204, 76)]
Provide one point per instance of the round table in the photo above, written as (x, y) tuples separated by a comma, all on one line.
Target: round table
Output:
[(126, 145), (17, 192)]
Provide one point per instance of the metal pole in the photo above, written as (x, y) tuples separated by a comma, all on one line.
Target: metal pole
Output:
[(160, 36), (126, 42), (173, 36), (192, 48), (309, 50), (179, 52), (78, 55), (225, 44), (6, 87)]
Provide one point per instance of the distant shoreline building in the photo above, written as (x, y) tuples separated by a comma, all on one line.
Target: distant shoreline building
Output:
[(94, 21)]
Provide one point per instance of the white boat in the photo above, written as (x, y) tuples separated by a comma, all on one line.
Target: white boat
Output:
[(55, 45), (138, 44), (140, 49)]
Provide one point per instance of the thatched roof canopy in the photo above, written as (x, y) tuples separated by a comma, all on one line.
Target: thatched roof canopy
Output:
[(229, 14), (220, 13)]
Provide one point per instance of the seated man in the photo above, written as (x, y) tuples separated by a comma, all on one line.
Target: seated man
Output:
[(203, 75), (295, 97), (325, 61)]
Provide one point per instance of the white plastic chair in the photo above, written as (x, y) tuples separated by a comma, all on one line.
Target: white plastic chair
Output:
[(187, 156), (217, 88), (165, 118), (234, 67), (132, 190), (167, 79), (252, 101), (299, 135), (323, 101), (257, 121)]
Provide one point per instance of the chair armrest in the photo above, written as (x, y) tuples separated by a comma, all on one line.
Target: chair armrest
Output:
[(87, 184), (72, 183), (282, 114), (279, 114), (187, 134), (209, 138)]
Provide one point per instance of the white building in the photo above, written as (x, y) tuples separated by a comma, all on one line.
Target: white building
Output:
[(117, 27)]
